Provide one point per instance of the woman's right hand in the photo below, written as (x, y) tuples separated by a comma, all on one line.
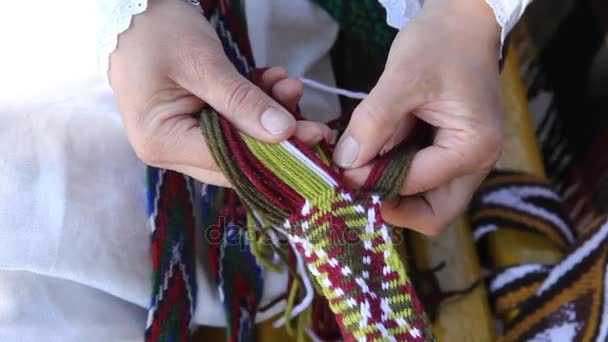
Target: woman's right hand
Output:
[(168, 65)]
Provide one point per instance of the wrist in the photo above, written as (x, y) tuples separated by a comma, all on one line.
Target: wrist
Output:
[(472, 20)]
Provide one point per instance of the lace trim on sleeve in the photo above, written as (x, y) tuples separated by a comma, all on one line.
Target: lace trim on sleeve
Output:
[(117, 15)]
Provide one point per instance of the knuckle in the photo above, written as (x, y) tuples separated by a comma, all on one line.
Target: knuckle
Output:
[(147, 149), (241, 93), (491, 142), (414, 187), (374, 115), (481, 146), (195, 58)]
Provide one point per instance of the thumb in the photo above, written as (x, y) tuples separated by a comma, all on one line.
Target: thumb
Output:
[(381, 121), (245, 105)]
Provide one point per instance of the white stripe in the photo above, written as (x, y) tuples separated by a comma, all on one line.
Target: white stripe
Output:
[(365, 313), (415, 333), (307, 300), (226, 33), (306, 208), (483, 230), (175, 260), (514, 273), (371, 221), (346, 196), (384, 232), (386, 309), (182, 267), (573, 259), (152, 218), (305, 225), (362, 284), (515, 197), (382, 329), (304, 159)]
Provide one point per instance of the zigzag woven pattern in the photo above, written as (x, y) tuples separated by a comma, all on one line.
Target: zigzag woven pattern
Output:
[(237, 273), (172, 234), (567, 301), (518, 201)]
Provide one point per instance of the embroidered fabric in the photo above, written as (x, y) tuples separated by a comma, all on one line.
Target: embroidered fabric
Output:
[(399, 12), (507, 12), (117, 16)]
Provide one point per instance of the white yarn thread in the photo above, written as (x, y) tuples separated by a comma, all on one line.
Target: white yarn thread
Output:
[(333, 90), (305, 303)]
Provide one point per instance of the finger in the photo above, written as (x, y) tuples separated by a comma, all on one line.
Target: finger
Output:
[(432, 212), (177, 144), (404, 128), (216, 81), (385, 113), (272, 76), (288, 93), (355, 178), (454, 153), (312, 133)]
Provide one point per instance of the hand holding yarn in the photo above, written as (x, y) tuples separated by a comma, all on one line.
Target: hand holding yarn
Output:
[(442, 69), (168, 65)]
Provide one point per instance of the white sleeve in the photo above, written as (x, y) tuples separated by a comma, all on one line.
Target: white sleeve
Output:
[(117, 16), (507, 12)]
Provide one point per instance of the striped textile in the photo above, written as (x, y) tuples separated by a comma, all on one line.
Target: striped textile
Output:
[(172, 238), (288, 188), (566, 301), (340, 233)]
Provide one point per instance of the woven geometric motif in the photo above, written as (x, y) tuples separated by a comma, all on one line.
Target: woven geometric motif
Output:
[(172, 238), (347, 248), (571, 303), (346, 245), (518, 201), (567, 301)]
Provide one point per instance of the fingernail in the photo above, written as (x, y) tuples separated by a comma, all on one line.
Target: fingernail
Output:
[(277, 121), (347, 152)]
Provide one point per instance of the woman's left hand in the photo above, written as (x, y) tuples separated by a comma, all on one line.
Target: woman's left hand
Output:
[(442, 69)]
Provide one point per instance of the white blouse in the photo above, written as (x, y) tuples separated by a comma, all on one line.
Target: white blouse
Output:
[(74, 259)]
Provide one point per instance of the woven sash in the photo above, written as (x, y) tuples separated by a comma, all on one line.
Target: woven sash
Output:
[(295, 191), (566, 301)]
